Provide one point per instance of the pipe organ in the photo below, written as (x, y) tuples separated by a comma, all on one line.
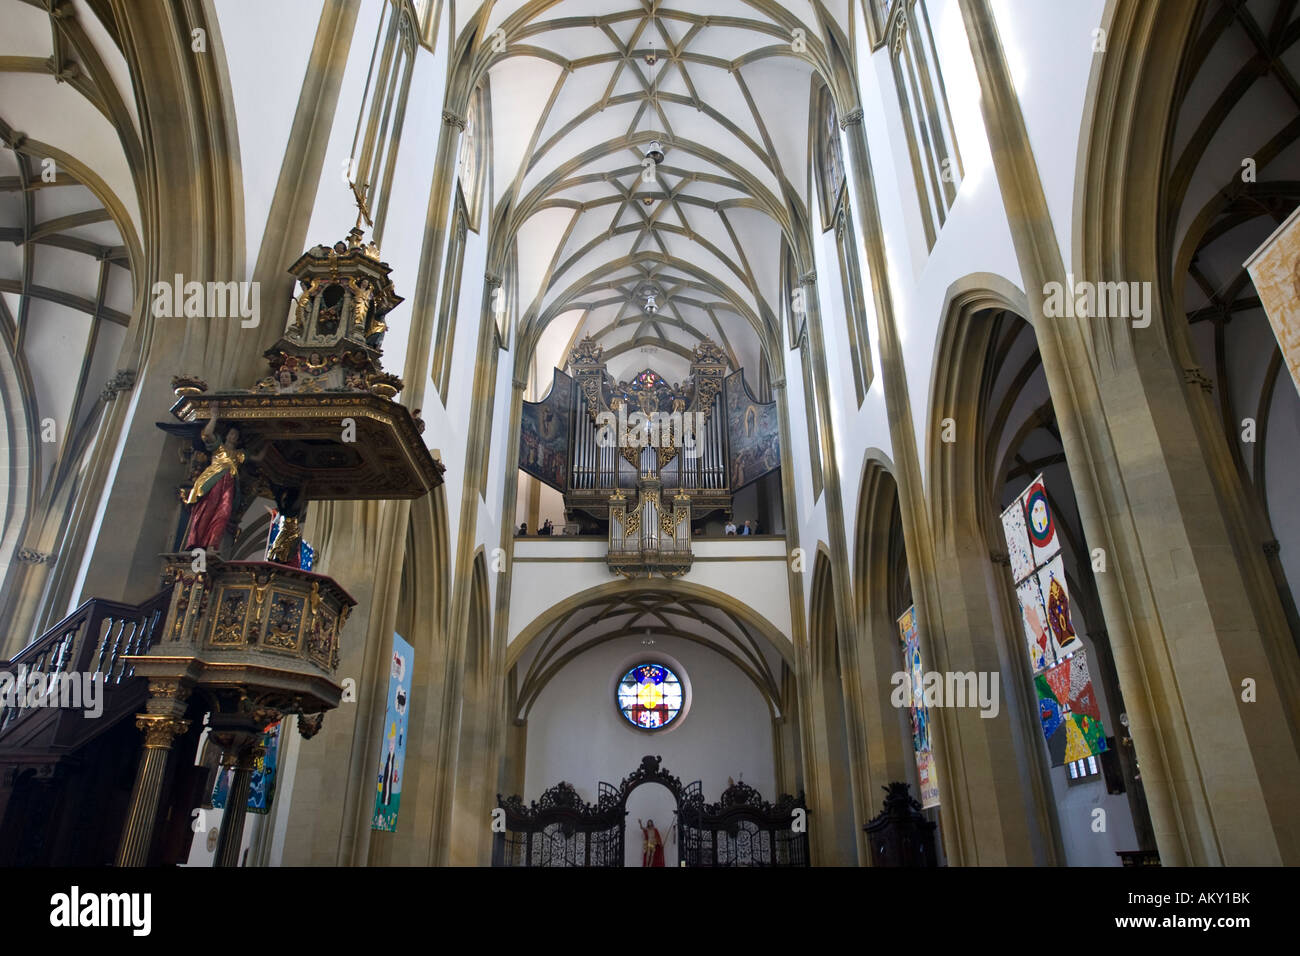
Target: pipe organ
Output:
[(624, 431), (646, 455)]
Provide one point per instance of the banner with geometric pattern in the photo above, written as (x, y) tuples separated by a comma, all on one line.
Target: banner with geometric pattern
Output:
[(1069, 712)]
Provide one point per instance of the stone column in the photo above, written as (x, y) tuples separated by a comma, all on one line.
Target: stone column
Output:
[(239, 751), (817, 728), (516, 755), (301, 170), (161, 731), (1187, 621)]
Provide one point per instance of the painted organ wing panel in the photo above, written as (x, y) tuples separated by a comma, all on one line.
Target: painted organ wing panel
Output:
[(753, 432), (545, 432)]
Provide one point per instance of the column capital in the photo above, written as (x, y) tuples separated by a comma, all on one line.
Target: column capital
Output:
[(170, 689), (493, 281), (160, 730), (519, 383), (852, 118), (239, 748), (808, 278), (453, 119)]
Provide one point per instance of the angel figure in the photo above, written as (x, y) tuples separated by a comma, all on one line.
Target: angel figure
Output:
[(310, 288)]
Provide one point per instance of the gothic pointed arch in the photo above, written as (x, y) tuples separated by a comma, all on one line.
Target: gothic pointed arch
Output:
[(833, 767), (882, 591), (476, 772), (993, 429)]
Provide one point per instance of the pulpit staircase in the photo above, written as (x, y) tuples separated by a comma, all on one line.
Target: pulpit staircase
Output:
[(93, 640)]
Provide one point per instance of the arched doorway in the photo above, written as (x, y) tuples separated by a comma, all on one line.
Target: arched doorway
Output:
[(650, 794), (651, 818), (561, 829)]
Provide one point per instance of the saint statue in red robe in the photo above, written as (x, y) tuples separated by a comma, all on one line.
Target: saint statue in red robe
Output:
[(212, 497)]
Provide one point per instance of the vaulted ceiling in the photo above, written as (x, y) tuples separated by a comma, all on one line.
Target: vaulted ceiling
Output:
[(579, 89), (648, 614), (70, 223)]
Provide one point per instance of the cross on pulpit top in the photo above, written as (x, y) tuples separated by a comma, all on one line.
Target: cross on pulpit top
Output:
[(363, 211)]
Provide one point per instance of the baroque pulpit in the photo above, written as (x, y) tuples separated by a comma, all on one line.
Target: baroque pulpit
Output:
[(260, 640)]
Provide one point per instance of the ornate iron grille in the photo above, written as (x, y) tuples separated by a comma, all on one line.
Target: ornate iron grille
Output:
[(561, 829), (743, 829)]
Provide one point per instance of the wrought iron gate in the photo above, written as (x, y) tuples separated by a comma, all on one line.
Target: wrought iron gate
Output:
[(741, 829)]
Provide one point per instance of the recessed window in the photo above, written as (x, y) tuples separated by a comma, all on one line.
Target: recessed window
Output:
[(923, 104), (650, 696)]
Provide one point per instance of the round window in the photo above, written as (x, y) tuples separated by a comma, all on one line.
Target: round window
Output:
[(650, 696)]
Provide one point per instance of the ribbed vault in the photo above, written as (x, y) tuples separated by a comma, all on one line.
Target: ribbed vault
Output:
[(725, 87), (649, 614), (69, 244)]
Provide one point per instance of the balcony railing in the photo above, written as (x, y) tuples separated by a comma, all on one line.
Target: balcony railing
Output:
[(91, 640)]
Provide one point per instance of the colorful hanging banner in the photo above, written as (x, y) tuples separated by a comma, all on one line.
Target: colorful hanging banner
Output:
[(1016, 533), (1029, 527), (926, 771), (1273, 269), (1040, 522), (1056, 598), (1033, 616), (392, 747), (1034, 553), (1069, 712), (1067, 705)]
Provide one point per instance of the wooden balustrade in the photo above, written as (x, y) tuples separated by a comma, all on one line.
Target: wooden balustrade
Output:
[(93, 639)]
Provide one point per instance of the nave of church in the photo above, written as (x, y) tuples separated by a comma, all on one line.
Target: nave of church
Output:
[(602, 433)]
